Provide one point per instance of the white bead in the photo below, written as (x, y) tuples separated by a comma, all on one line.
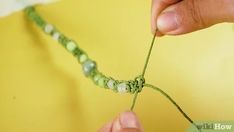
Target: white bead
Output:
[(56, 36), (83, 58), (49, 28), (71, 46), (122, 87), (110, 84)]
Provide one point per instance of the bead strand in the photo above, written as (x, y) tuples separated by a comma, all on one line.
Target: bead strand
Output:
[(89, 66)]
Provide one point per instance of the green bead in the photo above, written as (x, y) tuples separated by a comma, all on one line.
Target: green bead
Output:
[(101, 82), (71, 46), (97, 77), (83, 58)]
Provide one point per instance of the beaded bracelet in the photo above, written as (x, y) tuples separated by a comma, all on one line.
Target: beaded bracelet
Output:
[(89, 66), (90, 69)]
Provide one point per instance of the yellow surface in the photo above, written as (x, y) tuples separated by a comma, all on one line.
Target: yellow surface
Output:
[(42, 88)]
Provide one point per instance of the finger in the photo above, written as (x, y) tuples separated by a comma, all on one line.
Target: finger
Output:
[(191, 15), (156, 8), (130, 130), (106, 128), (116, 127), (127, 122)]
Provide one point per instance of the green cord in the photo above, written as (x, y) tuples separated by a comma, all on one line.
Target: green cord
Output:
[(158, 89), (173, 102), (144, 69), (134, 101), (149, 53), (170, 99)]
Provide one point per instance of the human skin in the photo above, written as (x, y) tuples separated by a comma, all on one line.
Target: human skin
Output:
[(175, 17), (124, 122)]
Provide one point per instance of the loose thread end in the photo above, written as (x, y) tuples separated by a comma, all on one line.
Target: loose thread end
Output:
[(134, 101), (173, 102)]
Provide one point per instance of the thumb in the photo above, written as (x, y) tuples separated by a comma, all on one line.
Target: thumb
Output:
[(191, 15), (127, 122)]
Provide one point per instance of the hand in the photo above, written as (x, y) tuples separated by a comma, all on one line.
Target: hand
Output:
[(174, 17), (125, 122)]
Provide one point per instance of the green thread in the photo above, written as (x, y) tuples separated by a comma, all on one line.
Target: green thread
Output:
[(134, 101), (144, 69), (149, 53), (170, 99), (173, 102), (90, 68)]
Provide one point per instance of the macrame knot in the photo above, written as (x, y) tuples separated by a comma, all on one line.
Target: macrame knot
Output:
[(137, 84)]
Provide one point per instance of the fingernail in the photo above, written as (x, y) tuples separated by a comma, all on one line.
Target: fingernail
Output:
[(129, 120), (167, 21)]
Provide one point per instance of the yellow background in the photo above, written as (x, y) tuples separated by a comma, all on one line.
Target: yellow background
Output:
[(42, 88)]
